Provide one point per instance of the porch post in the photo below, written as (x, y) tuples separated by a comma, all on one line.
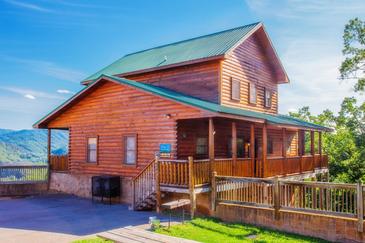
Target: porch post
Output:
[(320, 146), (49, 148), (312, 149), (234, 146), (211, 144), (283, 151), (49, 137), (300, 149), (252, 148), (264, 149)]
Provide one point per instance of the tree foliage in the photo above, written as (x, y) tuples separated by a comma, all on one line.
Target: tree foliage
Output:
[(345, 146), (353, 67)]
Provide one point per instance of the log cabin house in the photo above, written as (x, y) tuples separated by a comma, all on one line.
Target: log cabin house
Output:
[(173, 114)]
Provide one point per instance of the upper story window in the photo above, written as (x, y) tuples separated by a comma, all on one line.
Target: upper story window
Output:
[(268, 98), (130, 149), (252, 93), (92, 150), (202, 146), (235, 89)]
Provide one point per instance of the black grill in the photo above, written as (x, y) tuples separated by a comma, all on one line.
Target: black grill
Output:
[(105, 186)]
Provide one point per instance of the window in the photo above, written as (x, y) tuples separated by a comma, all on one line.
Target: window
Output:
[(270, 146), (202, 146), (235, 89), (268, 98), (240, 148), (92, 150), (130, 149), (253, 93)]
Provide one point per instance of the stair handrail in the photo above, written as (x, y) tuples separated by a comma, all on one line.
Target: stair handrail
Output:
[(141, 193)]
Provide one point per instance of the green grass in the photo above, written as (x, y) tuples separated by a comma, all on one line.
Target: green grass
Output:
[(214, 231), (93, 240)]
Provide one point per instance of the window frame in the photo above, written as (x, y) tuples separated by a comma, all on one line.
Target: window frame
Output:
[(125, 151), (250, 85), (268, 103), (96, 150), (238, 84)]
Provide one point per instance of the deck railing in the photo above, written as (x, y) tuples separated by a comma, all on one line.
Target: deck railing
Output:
[(176, 172), (59, 162), (334, 199), (23, 174), (294, 165)]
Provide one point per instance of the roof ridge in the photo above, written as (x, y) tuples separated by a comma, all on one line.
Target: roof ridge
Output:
[(193, 38)]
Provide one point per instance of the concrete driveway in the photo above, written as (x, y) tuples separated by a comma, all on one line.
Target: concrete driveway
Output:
[(61, 218)]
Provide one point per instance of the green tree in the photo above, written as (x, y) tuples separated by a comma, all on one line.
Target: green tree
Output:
[(353, 67), (345, 146)]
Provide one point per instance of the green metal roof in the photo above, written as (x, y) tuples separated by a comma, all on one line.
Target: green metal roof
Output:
[(192, 49), (195, 102)]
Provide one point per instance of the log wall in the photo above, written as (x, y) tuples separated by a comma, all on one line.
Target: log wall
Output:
[(112, 111)]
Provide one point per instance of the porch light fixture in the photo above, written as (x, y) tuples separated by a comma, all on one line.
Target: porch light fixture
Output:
[(168, 116)]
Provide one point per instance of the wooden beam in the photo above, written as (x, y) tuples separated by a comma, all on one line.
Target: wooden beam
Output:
[(252, 148), (234, 146), (284, 143), (192, 187), (320, 143), (360, 207), (49, 142), (312, 150), (264, 149), (320, 148), (312, 143), (211, 143)]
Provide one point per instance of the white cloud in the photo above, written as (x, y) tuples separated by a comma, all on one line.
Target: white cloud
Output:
[(63, 91), (48, 68), (29, 6), (29, 96)]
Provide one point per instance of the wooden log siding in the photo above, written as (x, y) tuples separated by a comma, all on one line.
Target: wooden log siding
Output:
[(198, 80), (112, 111), (248, 63)]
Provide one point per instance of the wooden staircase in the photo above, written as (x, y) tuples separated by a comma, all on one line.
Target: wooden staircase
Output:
[(144, 188)]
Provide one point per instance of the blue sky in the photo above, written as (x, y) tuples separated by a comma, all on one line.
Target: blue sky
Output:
[(48, 46)]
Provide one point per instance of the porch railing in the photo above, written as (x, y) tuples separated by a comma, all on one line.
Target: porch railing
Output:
[(294, 165), (345, 200), (23, 174), (59, 162), (176, 172)]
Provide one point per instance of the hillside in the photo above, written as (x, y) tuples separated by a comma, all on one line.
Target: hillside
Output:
[(30, 145)]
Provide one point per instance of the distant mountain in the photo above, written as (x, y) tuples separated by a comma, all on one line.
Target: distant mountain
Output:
[(30, 145)]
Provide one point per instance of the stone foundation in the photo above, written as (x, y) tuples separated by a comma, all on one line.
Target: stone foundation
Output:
[(80, 185), (23, 189)]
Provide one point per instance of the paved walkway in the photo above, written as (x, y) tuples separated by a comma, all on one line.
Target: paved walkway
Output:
[(61, 218), (136, 235)]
